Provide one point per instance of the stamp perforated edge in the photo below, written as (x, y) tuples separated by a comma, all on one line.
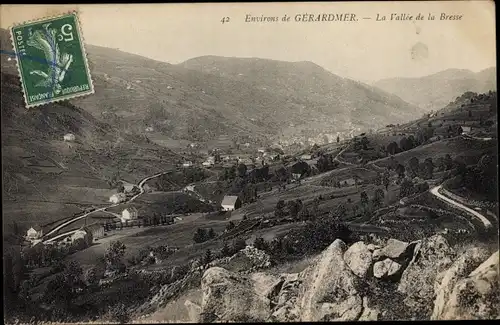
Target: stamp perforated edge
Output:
[(84, 54)]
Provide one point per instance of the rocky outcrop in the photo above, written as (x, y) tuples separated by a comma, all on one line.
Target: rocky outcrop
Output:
[(346, 284), (330, 288), (228, 296), (446, 281), (430, 257), (359, 258), (475, 297), (386, 268)]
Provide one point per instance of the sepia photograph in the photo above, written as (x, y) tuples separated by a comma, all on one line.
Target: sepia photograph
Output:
[(249, 162)]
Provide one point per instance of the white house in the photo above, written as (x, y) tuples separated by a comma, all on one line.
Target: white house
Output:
[(207, 164), (117, 198), (306, 157), (79, 234), (150, 129), (211, 159), (69, 137), (230, 203), (466, 129), (187, 164), (261, 150), (296, 176), (129, 214), (34, 233)]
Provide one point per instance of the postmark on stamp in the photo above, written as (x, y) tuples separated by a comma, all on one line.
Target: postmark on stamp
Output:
[(51, 59)]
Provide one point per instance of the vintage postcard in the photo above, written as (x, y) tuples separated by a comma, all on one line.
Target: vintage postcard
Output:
[(260, 162)]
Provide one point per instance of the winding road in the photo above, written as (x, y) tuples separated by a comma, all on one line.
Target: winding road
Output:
[(436, 192), (61, 226)]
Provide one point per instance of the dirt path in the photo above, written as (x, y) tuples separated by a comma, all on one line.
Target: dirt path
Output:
[(436, 192)]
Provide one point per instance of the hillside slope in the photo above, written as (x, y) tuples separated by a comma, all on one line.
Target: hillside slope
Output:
[(437, 90), (326, 102), (45, 178)]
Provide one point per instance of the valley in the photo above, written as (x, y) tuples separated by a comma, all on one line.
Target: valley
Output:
[(122, 205)]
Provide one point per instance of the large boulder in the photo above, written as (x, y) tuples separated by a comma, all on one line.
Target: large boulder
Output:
[(386, 269), (446, 281), (476, 296), (395, 249), (228, 296), (431, 256), (285, 304), (359, 258), (330, 290)]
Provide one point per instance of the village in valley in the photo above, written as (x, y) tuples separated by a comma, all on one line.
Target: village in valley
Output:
[(232, 189)]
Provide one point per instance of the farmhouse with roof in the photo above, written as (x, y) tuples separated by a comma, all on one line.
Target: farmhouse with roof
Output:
[(130, 213), (230, 203), (34, 232)]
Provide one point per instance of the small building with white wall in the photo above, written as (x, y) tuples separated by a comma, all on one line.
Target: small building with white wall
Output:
[(230, 203), (117, 198), (34, 233), (129, 214), (69, 137)]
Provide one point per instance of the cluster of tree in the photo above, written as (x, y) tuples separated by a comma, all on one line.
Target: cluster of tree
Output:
[(383, 179), (314, 237), (202, 235), (423, 169), (301, 168), (294, 208), (326, 163), (361, 143), (114, 257), (481, 177), (229, 250), (408, 188)]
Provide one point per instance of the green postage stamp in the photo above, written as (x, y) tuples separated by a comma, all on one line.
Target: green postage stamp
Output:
[(51, 59)]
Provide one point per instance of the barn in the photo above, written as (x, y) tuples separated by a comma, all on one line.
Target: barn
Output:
[(230, 203)]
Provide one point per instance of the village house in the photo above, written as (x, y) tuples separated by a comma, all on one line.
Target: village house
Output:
[(466, 129), (211, 159), (129, 214), (230, 203), (69, 137), (34, 233), (117, 198), (207, 164), (306, 157), (95, 229), (149, 129), (187, 164), (79, 234), (261, 150)]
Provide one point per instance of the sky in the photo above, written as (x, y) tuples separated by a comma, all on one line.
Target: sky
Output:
[(365, 50)]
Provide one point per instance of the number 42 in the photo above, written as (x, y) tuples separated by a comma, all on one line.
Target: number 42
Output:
[(66, 33), (225, 20)]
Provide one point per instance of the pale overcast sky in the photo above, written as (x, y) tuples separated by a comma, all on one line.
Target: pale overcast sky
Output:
[(365, 50)]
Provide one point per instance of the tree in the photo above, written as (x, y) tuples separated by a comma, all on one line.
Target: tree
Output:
[(470, 113), (378, 198), (211, 233), (120, 187), (225, 250), (386, 179), (405, 144), (200, 235), (338, 139), (279, 210), (294, 206), (392, 148), (448, 162), (400, 170), (429, 168), (406, 188), (208, 257), (242, 170), (413, 166), (260, 243), (239, 244), (114, 255), (364, 143), (230, 226), (364, 198)]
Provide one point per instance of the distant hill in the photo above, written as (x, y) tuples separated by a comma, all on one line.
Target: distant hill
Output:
[(311, 100), (437, 90)]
